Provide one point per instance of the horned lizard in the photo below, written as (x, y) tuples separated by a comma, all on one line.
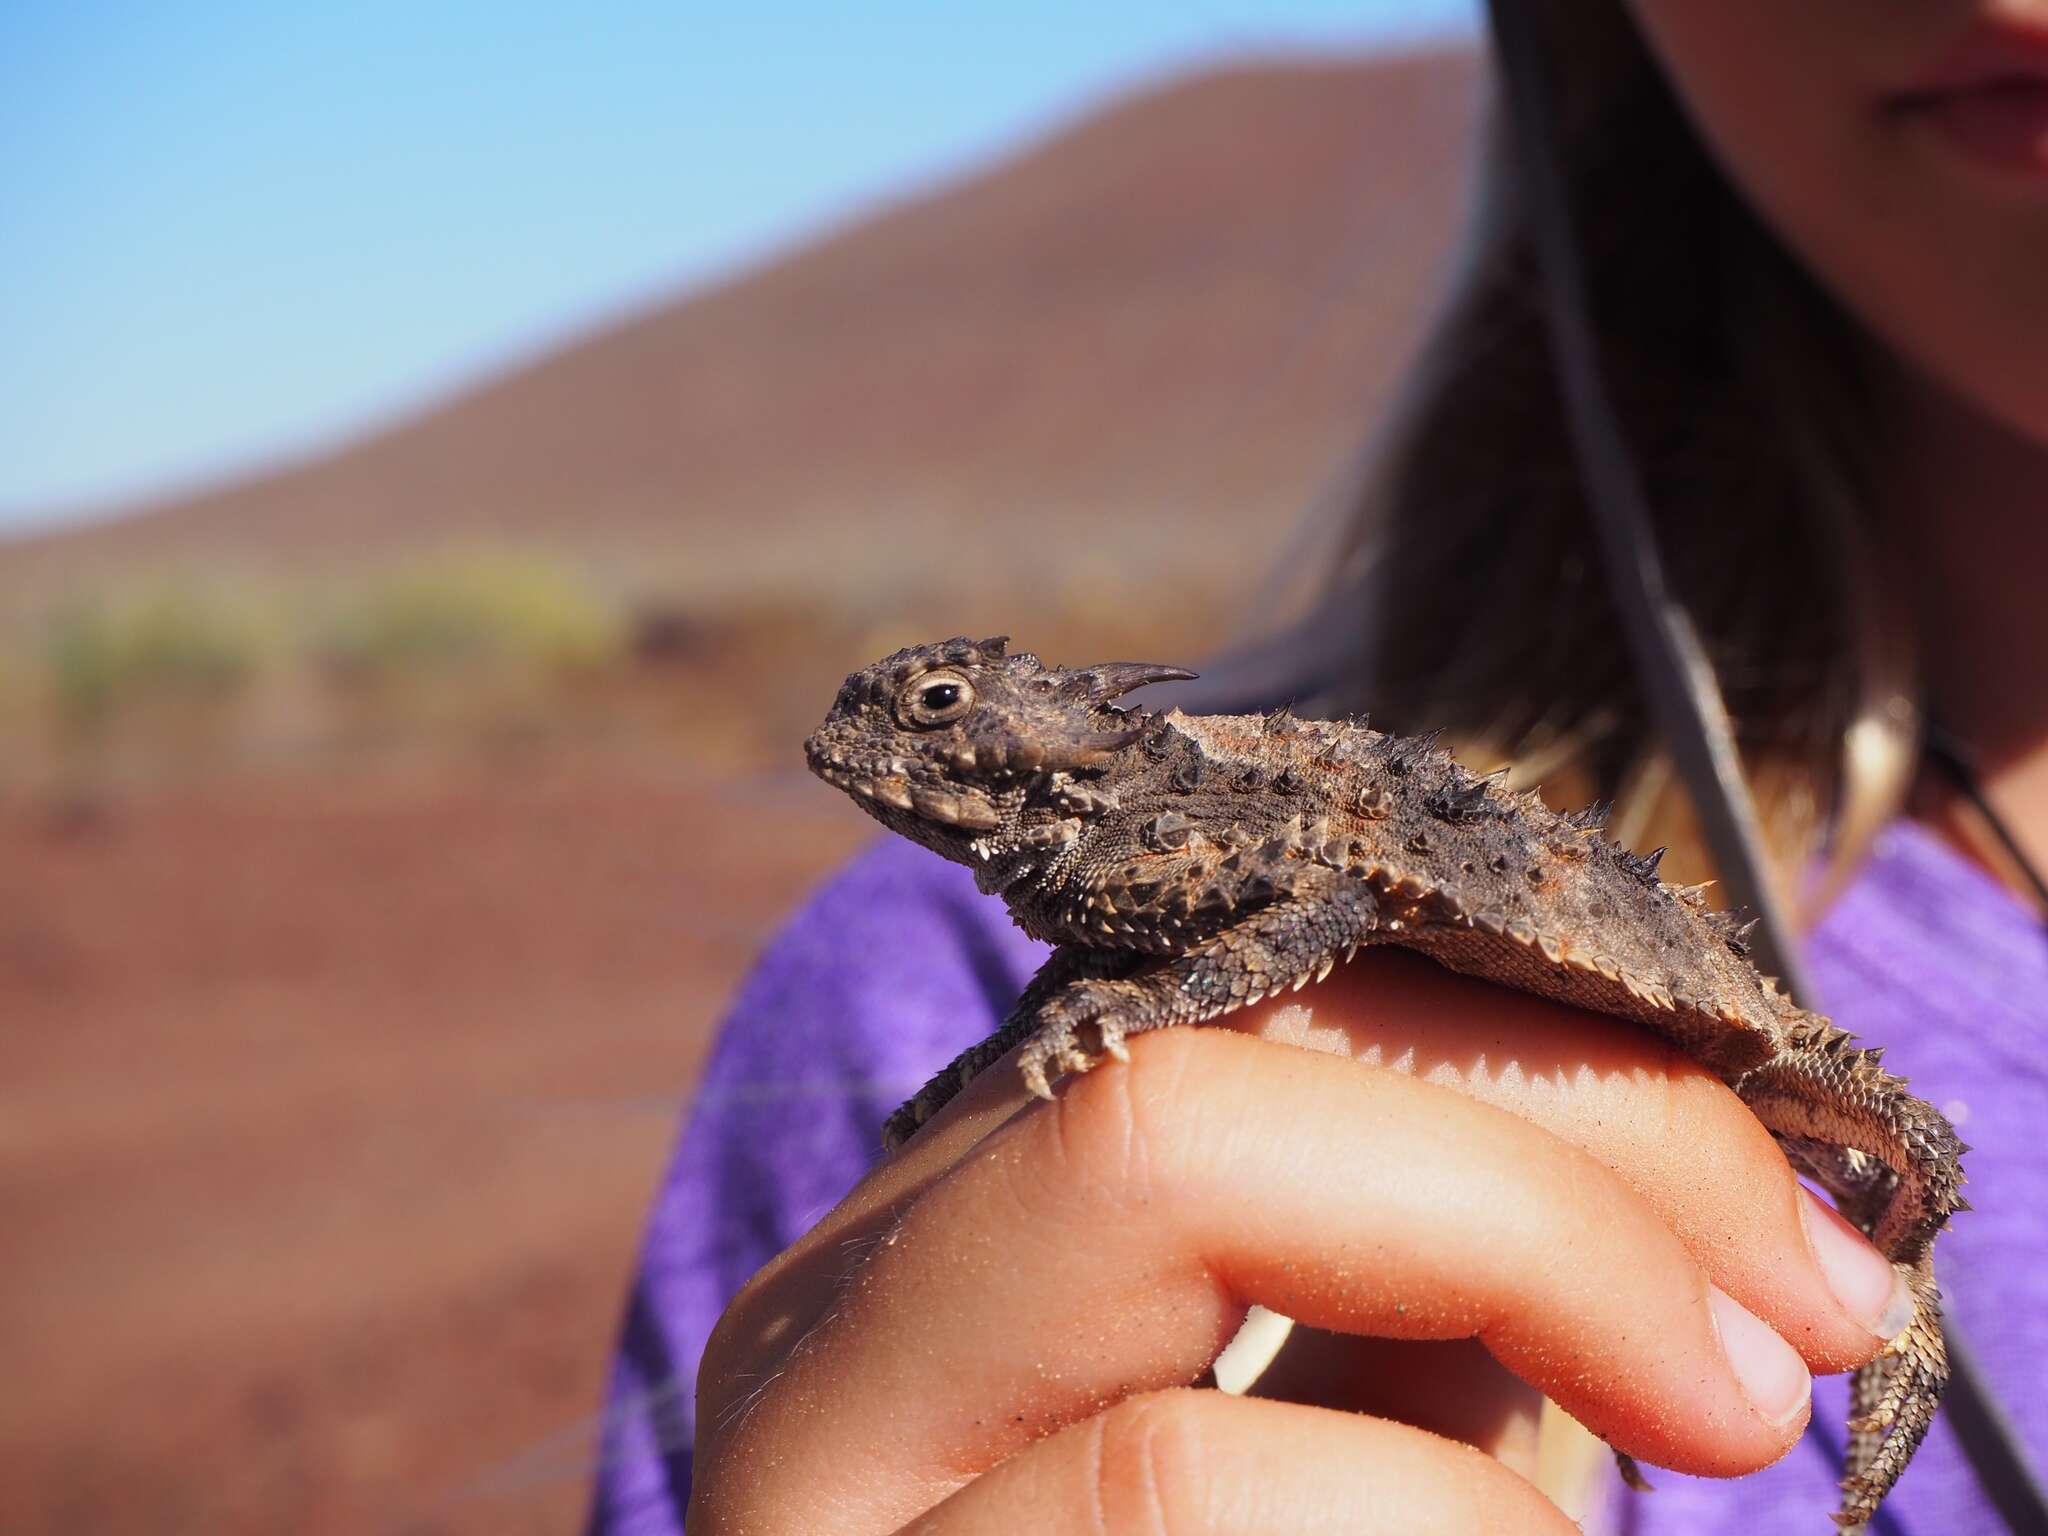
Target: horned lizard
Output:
[(1187, 865)]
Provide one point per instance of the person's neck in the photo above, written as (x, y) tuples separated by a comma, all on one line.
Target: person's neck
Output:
[(1967, 530)]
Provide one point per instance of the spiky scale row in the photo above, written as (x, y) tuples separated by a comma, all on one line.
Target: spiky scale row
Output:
[(1185, 866)]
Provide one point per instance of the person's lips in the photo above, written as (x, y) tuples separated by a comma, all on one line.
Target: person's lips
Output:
[(1987, 97), (2003, 124)]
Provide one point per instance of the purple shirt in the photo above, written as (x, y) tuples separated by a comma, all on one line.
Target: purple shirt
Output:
[(897, 964)]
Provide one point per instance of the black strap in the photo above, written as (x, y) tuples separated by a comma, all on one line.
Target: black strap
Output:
[(1956, 762), (1990, 1440)]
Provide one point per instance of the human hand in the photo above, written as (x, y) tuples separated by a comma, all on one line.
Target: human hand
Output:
[(996, 1330)]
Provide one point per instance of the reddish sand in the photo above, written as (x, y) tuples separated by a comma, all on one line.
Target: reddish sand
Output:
[(328, 1122)]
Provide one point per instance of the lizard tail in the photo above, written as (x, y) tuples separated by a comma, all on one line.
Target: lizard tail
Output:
[(1891, 1405)]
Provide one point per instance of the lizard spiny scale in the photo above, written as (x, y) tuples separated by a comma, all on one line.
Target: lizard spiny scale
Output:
[(1187, 865)]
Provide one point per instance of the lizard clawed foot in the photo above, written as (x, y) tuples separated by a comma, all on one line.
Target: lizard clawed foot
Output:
[(1082, 1026)]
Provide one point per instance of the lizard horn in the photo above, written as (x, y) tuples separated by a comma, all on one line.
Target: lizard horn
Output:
[(1113, 679)]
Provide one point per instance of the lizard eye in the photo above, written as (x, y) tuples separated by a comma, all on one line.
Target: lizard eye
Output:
[(937, 698)]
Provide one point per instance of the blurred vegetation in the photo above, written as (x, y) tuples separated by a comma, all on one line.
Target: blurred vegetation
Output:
[(137, 681), (494, 642), (170, 652), (488, 613), (141, 680)]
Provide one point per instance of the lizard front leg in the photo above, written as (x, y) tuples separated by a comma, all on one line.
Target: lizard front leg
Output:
[(1068, 966), (1322, 918)]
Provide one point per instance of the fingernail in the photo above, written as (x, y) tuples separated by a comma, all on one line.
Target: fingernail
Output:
[(1866, 1283), (1772, 1375)]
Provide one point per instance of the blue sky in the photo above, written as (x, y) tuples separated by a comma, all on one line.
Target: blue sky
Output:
[(230, 233)]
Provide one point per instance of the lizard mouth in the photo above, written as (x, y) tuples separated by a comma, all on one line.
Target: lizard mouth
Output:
[(837, 766), (884, 780)]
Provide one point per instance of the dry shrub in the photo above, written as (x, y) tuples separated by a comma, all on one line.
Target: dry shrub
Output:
[(167, 660), (491, 642)]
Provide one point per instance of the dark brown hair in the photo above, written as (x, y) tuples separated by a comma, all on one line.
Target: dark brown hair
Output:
[(1465, 590)]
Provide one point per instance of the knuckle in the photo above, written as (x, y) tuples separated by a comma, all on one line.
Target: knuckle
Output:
[(725, 1348), (719, 1373), (1148, 1465), (735, 1337), (761, 1330)]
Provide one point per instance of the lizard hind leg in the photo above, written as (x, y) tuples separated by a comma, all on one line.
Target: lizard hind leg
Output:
[(1893, 1164)]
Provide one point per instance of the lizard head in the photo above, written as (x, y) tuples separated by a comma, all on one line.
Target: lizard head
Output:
[(945, 743)]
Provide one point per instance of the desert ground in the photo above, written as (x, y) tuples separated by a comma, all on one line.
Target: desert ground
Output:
[(330, 1117)]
